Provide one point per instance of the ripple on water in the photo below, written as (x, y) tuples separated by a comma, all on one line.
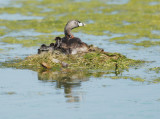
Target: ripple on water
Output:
[(157, 32), (82, 0), (126, 23), (4, 3), (12, 51), (28, 32), (154, 3), (8, 3), (6, 16), (117, 1)]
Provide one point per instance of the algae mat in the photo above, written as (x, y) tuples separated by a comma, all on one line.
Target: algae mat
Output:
[(136, 20)]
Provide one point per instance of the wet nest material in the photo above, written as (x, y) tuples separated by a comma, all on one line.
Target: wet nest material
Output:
[(94, 59)]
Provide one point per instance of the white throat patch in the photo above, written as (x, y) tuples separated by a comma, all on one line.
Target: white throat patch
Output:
[(80, 24)]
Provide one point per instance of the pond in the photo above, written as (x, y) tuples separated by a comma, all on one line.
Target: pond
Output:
[(26, 94)]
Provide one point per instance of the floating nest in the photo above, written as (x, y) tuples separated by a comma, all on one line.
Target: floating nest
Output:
[(95, 59)]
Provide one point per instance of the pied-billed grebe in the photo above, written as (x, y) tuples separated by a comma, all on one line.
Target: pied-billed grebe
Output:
[(71, 25), (68, 44)]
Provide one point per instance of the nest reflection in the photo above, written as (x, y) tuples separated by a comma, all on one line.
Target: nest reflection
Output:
[(70, 80)]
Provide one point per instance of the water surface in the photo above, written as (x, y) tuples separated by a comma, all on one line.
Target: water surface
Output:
[(95, 98), (27, 94)]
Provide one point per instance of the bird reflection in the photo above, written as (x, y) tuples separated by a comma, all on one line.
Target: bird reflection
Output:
[(70, 80)]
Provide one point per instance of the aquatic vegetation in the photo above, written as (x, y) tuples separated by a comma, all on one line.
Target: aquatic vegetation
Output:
[(156, 69), (29, 41), (10, 93), (140, 17), (147, 43), (156, 80), (135, 48), (125, 77), (57, 61), (2, 32)]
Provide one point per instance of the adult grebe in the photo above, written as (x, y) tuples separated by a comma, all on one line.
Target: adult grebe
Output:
[(68, 44)]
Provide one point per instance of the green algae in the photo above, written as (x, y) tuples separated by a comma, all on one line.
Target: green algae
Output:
[(1, 50), (135, 48), (147, 43), (10, 93), (124, 38), (90, 61), (2, 32), (156, 69), (156, 80), (126, 77), (30, 41), (142, 18)]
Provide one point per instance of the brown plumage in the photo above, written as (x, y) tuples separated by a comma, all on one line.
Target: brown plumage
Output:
[(68, 44)]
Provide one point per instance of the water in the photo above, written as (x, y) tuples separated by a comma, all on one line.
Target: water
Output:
[(26, 94), (15, 51), (117, 1), (154, 3), (24, 33), (4, 3), (6, 16), (96, 98)]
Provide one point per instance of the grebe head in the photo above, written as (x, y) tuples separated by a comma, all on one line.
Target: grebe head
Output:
[(71, 25)]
